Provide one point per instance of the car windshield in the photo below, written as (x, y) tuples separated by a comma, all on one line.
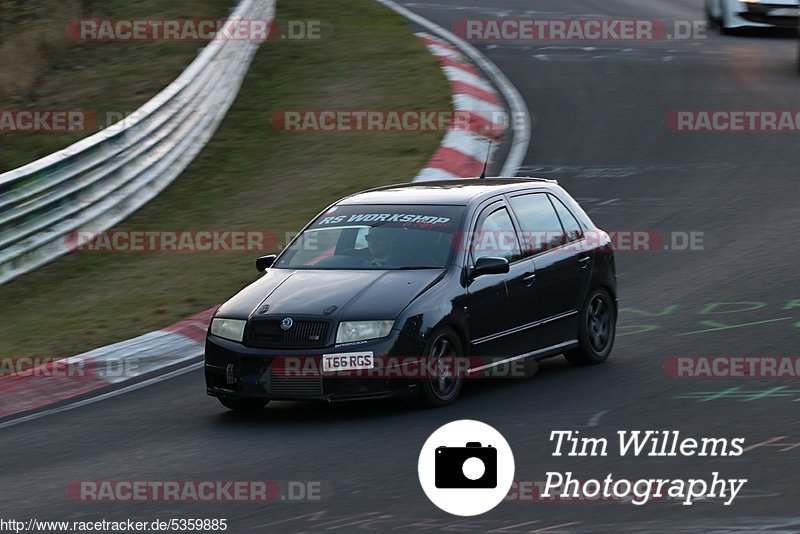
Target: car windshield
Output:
[(376, 237)]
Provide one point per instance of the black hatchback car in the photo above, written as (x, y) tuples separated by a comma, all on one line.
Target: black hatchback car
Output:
[(382, 292)]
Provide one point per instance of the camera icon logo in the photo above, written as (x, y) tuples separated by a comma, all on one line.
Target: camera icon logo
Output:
[(472, 466), (463, 476)]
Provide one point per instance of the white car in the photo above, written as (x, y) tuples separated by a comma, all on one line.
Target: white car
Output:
[(733, 14)]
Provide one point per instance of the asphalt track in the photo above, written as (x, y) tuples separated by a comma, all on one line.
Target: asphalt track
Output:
[(598, 129)]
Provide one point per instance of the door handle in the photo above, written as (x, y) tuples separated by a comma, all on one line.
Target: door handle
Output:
[(529, 278), (584, 261)]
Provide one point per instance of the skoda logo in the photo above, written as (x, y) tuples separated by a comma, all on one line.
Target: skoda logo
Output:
[(287, 323)]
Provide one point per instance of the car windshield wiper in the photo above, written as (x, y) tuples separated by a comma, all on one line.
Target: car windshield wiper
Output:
[(414, 267)]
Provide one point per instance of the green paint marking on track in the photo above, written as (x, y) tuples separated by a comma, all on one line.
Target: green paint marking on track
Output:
[(644, 313), (641, 329), (774, 392)]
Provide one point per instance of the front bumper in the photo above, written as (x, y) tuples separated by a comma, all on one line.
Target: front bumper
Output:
[(238, 372)]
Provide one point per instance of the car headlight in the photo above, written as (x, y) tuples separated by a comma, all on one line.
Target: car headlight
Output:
[(362, 330), (232, 329)]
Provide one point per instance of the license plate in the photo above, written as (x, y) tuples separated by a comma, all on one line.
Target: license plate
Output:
[(785, 12), (350, 361)]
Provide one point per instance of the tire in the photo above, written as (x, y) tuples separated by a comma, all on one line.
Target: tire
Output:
[(243, 405), (596, 330), (436, 392)]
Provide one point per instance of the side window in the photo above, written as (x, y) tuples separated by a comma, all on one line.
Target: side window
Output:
[(541, 230), (572, 228), (495, 237)]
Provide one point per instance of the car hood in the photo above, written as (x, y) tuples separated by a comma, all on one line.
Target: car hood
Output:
[(349, 295)]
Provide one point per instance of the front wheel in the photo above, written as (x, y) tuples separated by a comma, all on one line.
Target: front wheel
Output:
[(443, 380), (596, 331), (243, 405)]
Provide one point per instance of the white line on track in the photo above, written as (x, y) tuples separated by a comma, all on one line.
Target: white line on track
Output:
[(595, 420), (98, 398)]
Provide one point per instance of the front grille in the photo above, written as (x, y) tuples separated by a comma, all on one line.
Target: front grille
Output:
[(303, 334), (292, 386)]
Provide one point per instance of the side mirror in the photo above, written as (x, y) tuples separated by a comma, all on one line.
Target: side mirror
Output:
[(489, 266), (265, 262)]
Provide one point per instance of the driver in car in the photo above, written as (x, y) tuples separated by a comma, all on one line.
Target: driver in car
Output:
[(381, 247)]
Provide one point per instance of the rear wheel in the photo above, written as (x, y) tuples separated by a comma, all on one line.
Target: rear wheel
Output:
[(243, 405), (597, 329), (443, 381)]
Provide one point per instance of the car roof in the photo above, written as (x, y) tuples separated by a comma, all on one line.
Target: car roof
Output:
[(452, 192)]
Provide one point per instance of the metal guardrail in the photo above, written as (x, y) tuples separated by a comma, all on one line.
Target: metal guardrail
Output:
[(100, 180)]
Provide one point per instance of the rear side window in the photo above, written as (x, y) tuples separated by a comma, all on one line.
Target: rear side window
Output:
[(572, 228), (540, 227)]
